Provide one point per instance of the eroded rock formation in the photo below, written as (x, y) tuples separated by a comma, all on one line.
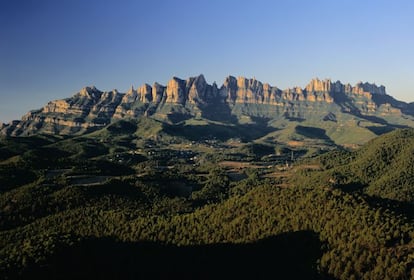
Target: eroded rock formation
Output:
[(91, 107)]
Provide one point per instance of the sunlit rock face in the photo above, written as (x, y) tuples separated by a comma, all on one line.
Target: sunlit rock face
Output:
[(176, 91), (158, 92), (145, 93), (92, 108), (318, 85)]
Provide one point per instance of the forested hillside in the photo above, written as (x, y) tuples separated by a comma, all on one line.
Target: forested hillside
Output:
[(383, 168), (341, 215)]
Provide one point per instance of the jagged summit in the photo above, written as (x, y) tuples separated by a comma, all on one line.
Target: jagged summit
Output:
[(181, 99), (90, 91), (336, 87), (319, 85)]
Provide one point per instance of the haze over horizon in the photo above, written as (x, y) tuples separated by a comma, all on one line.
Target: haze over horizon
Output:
[(51, 49)]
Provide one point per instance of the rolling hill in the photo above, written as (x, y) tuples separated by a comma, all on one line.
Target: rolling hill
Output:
[(85, 206)]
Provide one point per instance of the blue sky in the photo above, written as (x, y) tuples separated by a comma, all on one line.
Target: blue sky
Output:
[(50, 49)]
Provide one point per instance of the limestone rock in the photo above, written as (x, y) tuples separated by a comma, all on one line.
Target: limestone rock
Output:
[(158, 92), (319, 86), (90, 92), (106, 105), (131, 96), (229, 89), (175, 92), (145, 93), (91, 107), (368, 89), (197, 89)]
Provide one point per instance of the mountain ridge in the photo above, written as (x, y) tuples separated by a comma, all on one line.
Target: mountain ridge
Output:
[(236, 98)]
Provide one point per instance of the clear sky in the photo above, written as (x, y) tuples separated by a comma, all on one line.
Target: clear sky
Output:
[(50, 49)]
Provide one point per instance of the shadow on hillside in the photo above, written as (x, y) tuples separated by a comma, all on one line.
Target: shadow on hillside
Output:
[(122, 127), (379, 130), (386, 99), (313, 133), (12, 146), (246, 132), (351, 187), (398, 207), (286, 256), (218, 111), (294, 119), (348, 107)]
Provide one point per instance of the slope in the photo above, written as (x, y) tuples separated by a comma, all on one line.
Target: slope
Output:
[(384, 167)]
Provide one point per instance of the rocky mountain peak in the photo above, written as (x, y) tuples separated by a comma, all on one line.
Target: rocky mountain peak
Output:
[(198, 80), (317, 85), (175, 91), (145, 93), (157, 92), (230, 82), (131, 90), (91, 108), (371, 88), (90, 92), (197, 89), (367, 89)]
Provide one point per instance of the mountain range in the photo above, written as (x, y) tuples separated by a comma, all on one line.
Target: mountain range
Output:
[(192, 180), (333, 107)]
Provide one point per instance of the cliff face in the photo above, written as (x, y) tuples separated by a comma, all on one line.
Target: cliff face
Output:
[(242, 90), (92, 108)]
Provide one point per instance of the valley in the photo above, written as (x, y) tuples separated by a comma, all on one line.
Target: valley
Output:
[(147, 194), (208, 182)]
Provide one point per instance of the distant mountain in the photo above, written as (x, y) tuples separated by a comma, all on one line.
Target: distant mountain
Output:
[(323, 104)]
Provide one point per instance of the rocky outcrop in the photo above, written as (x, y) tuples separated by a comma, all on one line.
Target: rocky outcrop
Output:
[(197, 90), (131, 96), (230, 89), (91, 108), (157, 93), (79, 104), (317, 85), (106, 105), (251, 91), (145, 93), (200, 93), (175, 92), (364, 88), (248, 91)]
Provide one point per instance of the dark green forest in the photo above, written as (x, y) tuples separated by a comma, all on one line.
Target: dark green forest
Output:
[(109, 206)]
